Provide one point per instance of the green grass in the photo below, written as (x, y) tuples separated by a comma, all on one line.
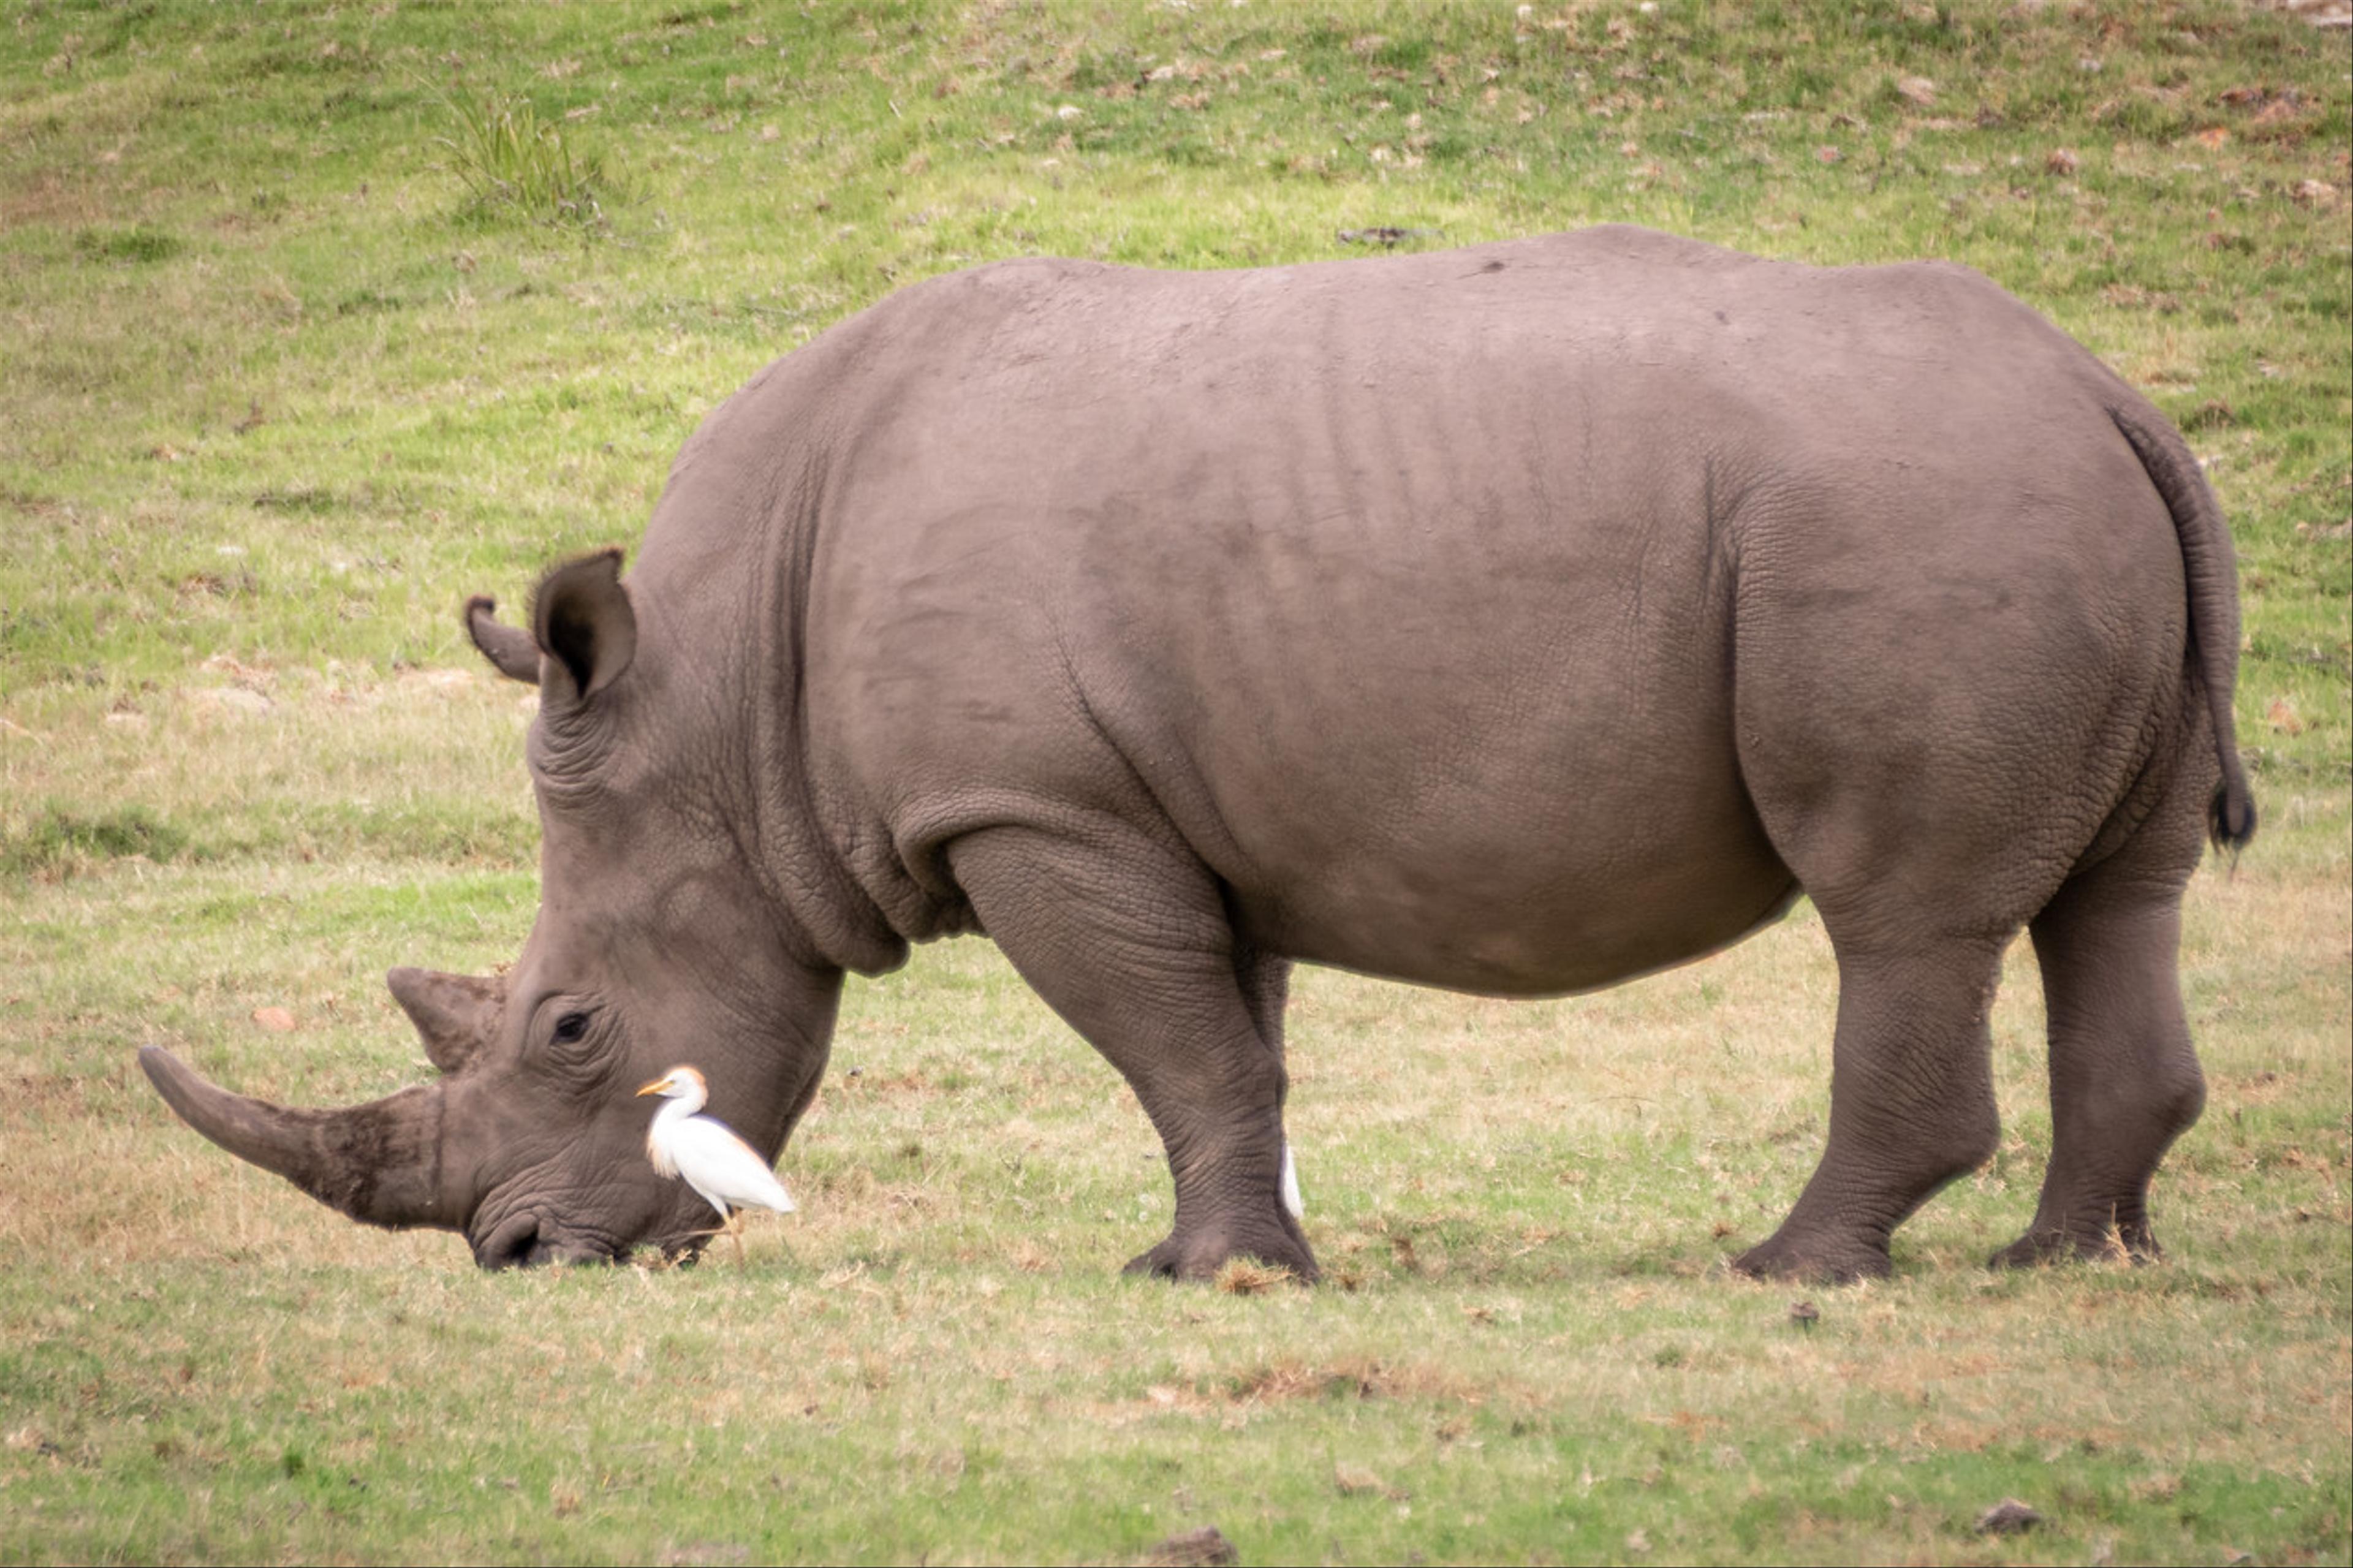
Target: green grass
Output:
[(280, 389), (515, 166)]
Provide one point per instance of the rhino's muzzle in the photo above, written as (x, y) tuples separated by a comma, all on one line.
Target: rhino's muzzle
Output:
[(515, 1243), (523, 1241), (380, 1161)]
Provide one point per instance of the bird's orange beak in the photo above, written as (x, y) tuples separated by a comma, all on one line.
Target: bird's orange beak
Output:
[(654, 1087)]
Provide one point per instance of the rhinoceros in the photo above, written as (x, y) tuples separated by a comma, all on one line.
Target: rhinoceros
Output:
[(1515, 619)]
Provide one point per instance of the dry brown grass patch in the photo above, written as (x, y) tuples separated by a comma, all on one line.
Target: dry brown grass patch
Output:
[(1248, 1277), (1348, 1378)]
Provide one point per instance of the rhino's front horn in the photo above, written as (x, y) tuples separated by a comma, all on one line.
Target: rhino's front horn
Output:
[(380, 1161)]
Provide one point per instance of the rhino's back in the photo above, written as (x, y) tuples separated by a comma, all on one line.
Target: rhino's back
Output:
[(1402, 591)]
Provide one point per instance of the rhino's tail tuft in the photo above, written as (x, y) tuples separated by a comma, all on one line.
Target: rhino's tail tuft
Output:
[(2231, 820)]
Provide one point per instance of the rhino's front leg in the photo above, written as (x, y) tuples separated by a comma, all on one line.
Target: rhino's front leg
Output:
[(1128, 940), (1265, 981)]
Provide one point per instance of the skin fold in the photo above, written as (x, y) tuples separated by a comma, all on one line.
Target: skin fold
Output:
[(1517, 619)]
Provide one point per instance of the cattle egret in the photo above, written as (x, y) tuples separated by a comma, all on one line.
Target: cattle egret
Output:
[(727, 1172)]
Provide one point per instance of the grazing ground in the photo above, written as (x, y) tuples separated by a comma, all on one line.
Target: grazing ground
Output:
[(315, 318)]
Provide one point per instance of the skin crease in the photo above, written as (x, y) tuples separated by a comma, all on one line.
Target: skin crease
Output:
[(1517, 619)]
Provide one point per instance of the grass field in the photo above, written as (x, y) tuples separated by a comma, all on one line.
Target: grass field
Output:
[(316, 318)]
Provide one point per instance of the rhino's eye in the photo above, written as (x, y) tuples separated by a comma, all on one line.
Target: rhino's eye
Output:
[(570, 1027)]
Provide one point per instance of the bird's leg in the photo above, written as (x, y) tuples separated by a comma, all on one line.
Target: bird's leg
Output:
[(734, 1229)]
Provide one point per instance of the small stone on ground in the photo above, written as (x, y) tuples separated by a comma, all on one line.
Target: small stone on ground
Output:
[(2008, 1516), (1204, 1548)]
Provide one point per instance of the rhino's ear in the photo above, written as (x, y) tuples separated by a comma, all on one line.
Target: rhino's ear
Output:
[(455, 1014), (582, 618), (509, 648)]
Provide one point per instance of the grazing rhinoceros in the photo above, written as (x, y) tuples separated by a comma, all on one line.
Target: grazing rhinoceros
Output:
[(1515, 619)]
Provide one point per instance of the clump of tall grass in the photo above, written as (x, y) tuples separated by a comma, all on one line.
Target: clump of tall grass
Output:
[(143, 243), (61, 841), (511, 161)]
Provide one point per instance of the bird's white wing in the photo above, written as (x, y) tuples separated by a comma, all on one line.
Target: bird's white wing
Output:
[(721, 1166)]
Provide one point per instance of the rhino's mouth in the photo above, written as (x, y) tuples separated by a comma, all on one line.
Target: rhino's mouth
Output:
[(521, 1241), (525, 1238)]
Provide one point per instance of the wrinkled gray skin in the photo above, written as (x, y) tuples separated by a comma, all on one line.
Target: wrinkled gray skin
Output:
[(1515, 620)]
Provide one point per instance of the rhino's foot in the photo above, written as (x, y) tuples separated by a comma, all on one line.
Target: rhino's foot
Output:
[(2105, 1243), (1200, 1254), (1816, 1259)]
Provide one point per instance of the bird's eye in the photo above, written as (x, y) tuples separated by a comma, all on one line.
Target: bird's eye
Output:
[(570, 1027)]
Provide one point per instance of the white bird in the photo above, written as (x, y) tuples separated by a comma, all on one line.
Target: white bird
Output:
[(715, 1161)]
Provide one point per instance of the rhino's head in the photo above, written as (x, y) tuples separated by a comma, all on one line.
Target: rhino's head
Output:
[(659, 942)]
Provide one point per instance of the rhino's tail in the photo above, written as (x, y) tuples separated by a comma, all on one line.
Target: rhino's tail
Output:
[(2213, 573)]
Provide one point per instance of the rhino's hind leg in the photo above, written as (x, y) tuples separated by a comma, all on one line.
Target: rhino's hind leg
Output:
[(2124, 1080), (1912, 1103), (1131, 944)]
